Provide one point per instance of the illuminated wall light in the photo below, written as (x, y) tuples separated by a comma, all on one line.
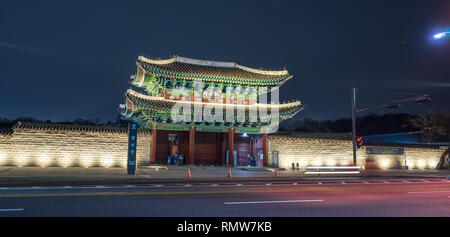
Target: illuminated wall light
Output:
[(410, 164), (2, 158), (432, 164), (317, 161), (331, 162), (87, 161), (43, 160), (385, 164), (22, 160), (65, 161), (107, 161), (421, 164)]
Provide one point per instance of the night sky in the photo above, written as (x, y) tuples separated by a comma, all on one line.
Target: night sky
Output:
[(65, 60)]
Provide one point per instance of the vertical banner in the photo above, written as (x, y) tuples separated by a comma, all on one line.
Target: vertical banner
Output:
[(132, 142)]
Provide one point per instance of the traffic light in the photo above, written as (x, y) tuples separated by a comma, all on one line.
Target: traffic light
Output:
[(422, 100), (359, 141)]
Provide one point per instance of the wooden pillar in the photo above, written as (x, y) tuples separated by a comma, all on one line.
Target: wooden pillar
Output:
[(231, 147), (252, 145), (218, 149), (223, 150), (265, 150), (191, 146), (153, 146)]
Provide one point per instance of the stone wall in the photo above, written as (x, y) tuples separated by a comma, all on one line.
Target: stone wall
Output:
[(89, 146), (312, 151), (68, 146), (321, 151)]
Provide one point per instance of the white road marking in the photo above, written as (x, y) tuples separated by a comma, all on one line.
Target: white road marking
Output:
[(423, 180), (332, 172), (130, 186), (342, 182), (269, 184), (4, 188), (188, 185), (384, 181), (213, 185), (35, 187), (100, 186), (333, 178), (294, 183), (67, 187), (238, 184), (320, 183), (432, 192), (406, 181), (5, 210), (263, 202), (365, 182)]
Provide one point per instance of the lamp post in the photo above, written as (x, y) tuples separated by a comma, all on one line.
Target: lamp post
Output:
[(393, 105)]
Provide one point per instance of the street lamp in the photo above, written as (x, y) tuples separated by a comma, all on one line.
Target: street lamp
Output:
[(441, 35), (393, 105)]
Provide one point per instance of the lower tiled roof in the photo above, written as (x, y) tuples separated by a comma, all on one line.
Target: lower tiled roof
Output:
[(72, 128)]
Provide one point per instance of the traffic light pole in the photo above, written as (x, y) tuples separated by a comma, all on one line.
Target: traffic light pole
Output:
[(418, 99), (354, 124)]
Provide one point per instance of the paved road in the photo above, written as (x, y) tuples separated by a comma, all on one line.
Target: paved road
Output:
[(312, 197)]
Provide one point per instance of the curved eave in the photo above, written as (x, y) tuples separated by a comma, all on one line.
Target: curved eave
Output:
[(159, 104), (211, 78)]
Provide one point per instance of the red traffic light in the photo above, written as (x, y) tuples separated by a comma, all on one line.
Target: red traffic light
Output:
[(359, 141)]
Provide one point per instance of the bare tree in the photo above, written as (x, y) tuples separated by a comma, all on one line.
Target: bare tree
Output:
[(435, 125)]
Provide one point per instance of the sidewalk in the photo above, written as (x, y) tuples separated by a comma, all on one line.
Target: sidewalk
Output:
[(10, 175)]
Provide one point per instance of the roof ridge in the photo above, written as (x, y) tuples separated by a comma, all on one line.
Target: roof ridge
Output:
[(213, 63), (67, 127)]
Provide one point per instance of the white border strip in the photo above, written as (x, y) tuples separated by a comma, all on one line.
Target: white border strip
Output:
[(5, 210), (263, 202), (331, 172)]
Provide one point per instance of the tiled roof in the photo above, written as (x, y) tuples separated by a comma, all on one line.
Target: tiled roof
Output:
[(71, 128), (387, 144), (5, 131), (159, 103), (202, 69), (310, 135)]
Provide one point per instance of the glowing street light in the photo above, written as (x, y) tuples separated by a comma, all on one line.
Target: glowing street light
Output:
[(441, 35)]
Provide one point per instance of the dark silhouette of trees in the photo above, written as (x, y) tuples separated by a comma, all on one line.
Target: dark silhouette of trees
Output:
[(435, 125), (365, 125)]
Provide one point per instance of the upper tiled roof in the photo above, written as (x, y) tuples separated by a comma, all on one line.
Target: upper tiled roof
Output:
[(187, 68)]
